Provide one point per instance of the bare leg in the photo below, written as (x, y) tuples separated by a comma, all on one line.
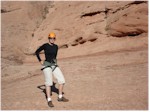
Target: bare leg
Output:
[(48, 91), (60, 97), (61, 89)]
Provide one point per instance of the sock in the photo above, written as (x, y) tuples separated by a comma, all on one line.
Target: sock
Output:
[(60, 96), (49, 99)]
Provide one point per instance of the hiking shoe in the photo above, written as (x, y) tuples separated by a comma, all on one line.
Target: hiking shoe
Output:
[(50, 104), (63, 99)]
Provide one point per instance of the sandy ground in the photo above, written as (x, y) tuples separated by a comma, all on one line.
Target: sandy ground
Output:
[(108, 81)]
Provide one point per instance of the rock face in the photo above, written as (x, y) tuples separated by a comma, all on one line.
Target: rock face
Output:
[(82, 28), (19, 21), (128, 20)]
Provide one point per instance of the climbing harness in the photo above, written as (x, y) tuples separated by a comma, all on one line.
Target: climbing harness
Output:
[(53, 65)]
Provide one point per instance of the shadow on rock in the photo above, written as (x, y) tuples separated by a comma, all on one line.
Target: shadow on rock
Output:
[(53, 89)]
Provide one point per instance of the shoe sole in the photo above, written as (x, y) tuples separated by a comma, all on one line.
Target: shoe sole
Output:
[(62, 101), (50, 106)]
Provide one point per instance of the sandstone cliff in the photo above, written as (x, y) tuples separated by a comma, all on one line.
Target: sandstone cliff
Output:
[(82, 28)]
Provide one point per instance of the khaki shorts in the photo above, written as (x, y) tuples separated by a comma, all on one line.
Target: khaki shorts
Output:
[(56, 73)]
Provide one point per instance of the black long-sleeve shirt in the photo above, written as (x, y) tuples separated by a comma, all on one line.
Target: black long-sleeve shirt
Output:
[(49, 50)]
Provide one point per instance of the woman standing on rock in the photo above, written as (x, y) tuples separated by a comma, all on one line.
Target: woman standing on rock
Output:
[(50, 66)]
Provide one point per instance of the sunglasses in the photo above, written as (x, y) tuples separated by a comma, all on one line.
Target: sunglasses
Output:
[(52, 38)]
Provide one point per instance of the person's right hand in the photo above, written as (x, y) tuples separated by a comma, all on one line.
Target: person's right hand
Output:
[(41, 62)]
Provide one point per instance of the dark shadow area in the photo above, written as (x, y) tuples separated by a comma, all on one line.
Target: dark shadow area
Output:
[(53, 89)]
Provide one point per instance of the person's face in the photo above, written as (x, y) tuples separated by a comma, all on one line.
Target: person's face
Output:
[(52, 40)]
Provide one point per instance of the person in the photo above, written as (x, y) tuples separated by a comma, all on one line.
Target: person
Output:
[(49, 67)]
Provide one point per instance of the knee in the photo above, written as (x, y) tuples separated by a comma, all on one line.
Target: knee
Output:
[(62, 81), (48, 83)]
